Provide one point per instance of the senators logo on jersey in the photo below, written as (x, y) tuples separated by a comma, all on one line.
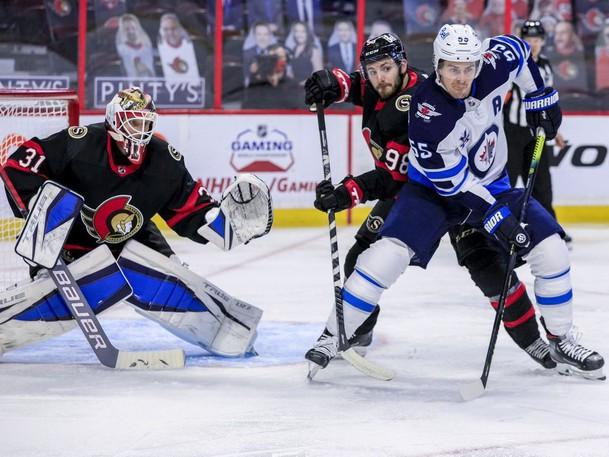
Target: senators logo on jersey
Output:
[(113, 221)]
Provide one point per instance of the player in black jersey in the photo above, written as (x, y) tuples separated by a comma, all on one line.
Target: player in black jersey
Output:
[(126, 175), (383, 87)]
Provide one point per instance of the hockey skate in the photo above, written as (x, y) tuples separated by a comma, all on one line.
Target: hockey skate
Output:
[(326, 348), (573, 358), (540, 353)]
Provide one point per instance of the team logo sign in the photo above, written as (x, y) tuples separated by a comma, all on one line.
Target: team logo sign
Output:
[(77, 132), (113, 221), (482, 154), (402, 103)]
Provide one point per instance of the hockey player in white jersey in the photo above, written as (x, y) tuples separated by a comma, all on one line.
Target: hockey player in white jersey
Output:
[(457, 175)]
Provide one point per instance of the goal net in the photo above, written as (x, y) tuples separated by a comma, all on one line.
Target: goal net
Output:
[(23, 115)]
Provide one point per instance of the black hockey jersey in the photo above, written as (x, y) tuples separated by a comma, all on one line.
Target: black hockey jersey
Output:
[(120, 198), (385, 129)]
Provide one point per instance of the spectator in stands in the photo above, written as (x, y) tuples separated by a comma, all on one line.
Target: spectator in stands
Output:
[(421, 17), (463, 11), (567, 59), (232, 15), (602, 58), (267, 11), (341, 46), (176, 51), (270, 85), (134, 47), (492, 21), (379, 27), (306, 53), (257, 43), (308, 11)]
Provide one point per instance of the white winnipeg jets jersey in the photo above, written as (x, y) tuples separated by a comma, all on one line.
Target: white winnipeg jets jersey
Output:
[(458, 147)]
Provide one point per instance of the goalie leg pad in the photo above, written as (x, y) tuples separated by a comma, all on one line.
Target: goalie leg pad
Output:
[(245, 213), (549, 262), (187, 305), (48, 224), (33, 309)]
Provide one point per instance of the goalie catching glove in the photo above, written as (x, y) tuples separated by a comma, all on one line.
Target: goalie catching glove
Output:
[(245, 213)]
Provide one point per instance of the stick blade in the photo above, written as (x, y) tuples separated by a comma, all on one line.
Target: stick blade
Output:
[(151, 360), (472, 390), (367, 367)]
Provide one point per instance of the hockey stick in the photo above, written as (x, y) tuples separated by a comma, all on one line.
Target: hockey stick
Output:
[(348, 353), (476, 388), (86, 319)]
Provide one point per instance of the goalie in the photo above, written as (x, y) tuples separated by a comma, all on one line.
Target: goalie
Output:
[(125, 176)]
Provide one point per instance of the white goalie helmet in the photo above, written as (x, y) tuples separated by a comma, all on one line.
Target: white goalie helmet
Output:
[(130, 120), (457, 43)]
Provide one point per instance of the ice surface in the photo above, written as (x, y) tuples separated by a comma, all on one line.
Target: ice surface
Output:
[(56, 400)]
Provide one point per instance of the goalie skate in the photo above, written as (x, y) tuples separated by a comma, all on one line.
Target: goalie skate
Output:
[(574, 359)]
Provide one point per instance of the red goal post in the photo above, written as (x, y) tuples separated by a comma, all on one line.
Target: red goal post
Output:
[(23, 115)]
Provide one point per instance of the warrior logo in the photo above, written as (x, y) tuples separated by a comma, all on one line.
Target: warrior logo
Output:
[(113, 221)]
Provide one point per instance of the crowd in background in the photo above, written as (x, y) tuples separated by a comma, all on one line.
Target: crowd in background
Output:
[(271, 46)]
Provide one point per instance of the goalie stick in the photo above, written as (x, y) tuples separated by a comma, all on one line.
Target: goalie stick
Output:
[(70, 292), (348, 353), (477, 388)]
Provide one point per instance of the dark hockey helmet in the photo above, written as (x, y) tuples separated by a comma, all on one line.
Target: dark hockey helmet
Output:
[(532, 28), (380, 47)]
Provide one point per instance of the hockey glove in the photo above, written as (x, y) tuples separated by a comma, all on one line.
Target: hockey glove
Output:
[(503, 225), (543, 110), (345, 195), (322, 86)]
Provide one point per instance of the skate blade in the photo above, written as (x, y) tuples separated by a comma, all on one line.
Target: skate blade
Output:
[(569, 370), (471, 390), (313, 369)]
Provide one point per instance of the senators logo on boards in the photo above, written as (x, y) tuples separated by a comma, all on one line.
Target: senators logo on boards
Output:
[(113, 221)]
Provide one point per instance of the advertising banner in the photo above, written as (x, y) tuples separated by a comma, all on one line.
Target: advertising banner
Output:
[(34, 82), (283, 150), (580, 170), (165, 93)]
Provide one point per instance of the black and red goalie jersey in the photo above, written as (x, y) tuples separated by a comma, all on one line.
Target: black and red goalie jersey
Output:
[(385, 129), (120, 197)]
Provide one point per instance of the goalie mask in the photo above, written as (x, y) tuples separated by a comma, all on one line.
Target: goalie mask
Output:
[(130, 120)]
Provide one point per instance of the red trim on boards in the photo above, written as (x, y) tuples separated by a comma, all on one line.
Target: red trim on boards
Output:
[(82, 51), (218, 50)]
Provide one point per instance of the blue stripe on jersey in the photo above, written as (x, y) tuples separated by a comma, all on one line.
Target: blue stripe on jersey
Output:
[(556, 300), (447, 173), (369, 279), (455, 189), (499, 185), (357, 302), (415, 175), (514, 45)]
